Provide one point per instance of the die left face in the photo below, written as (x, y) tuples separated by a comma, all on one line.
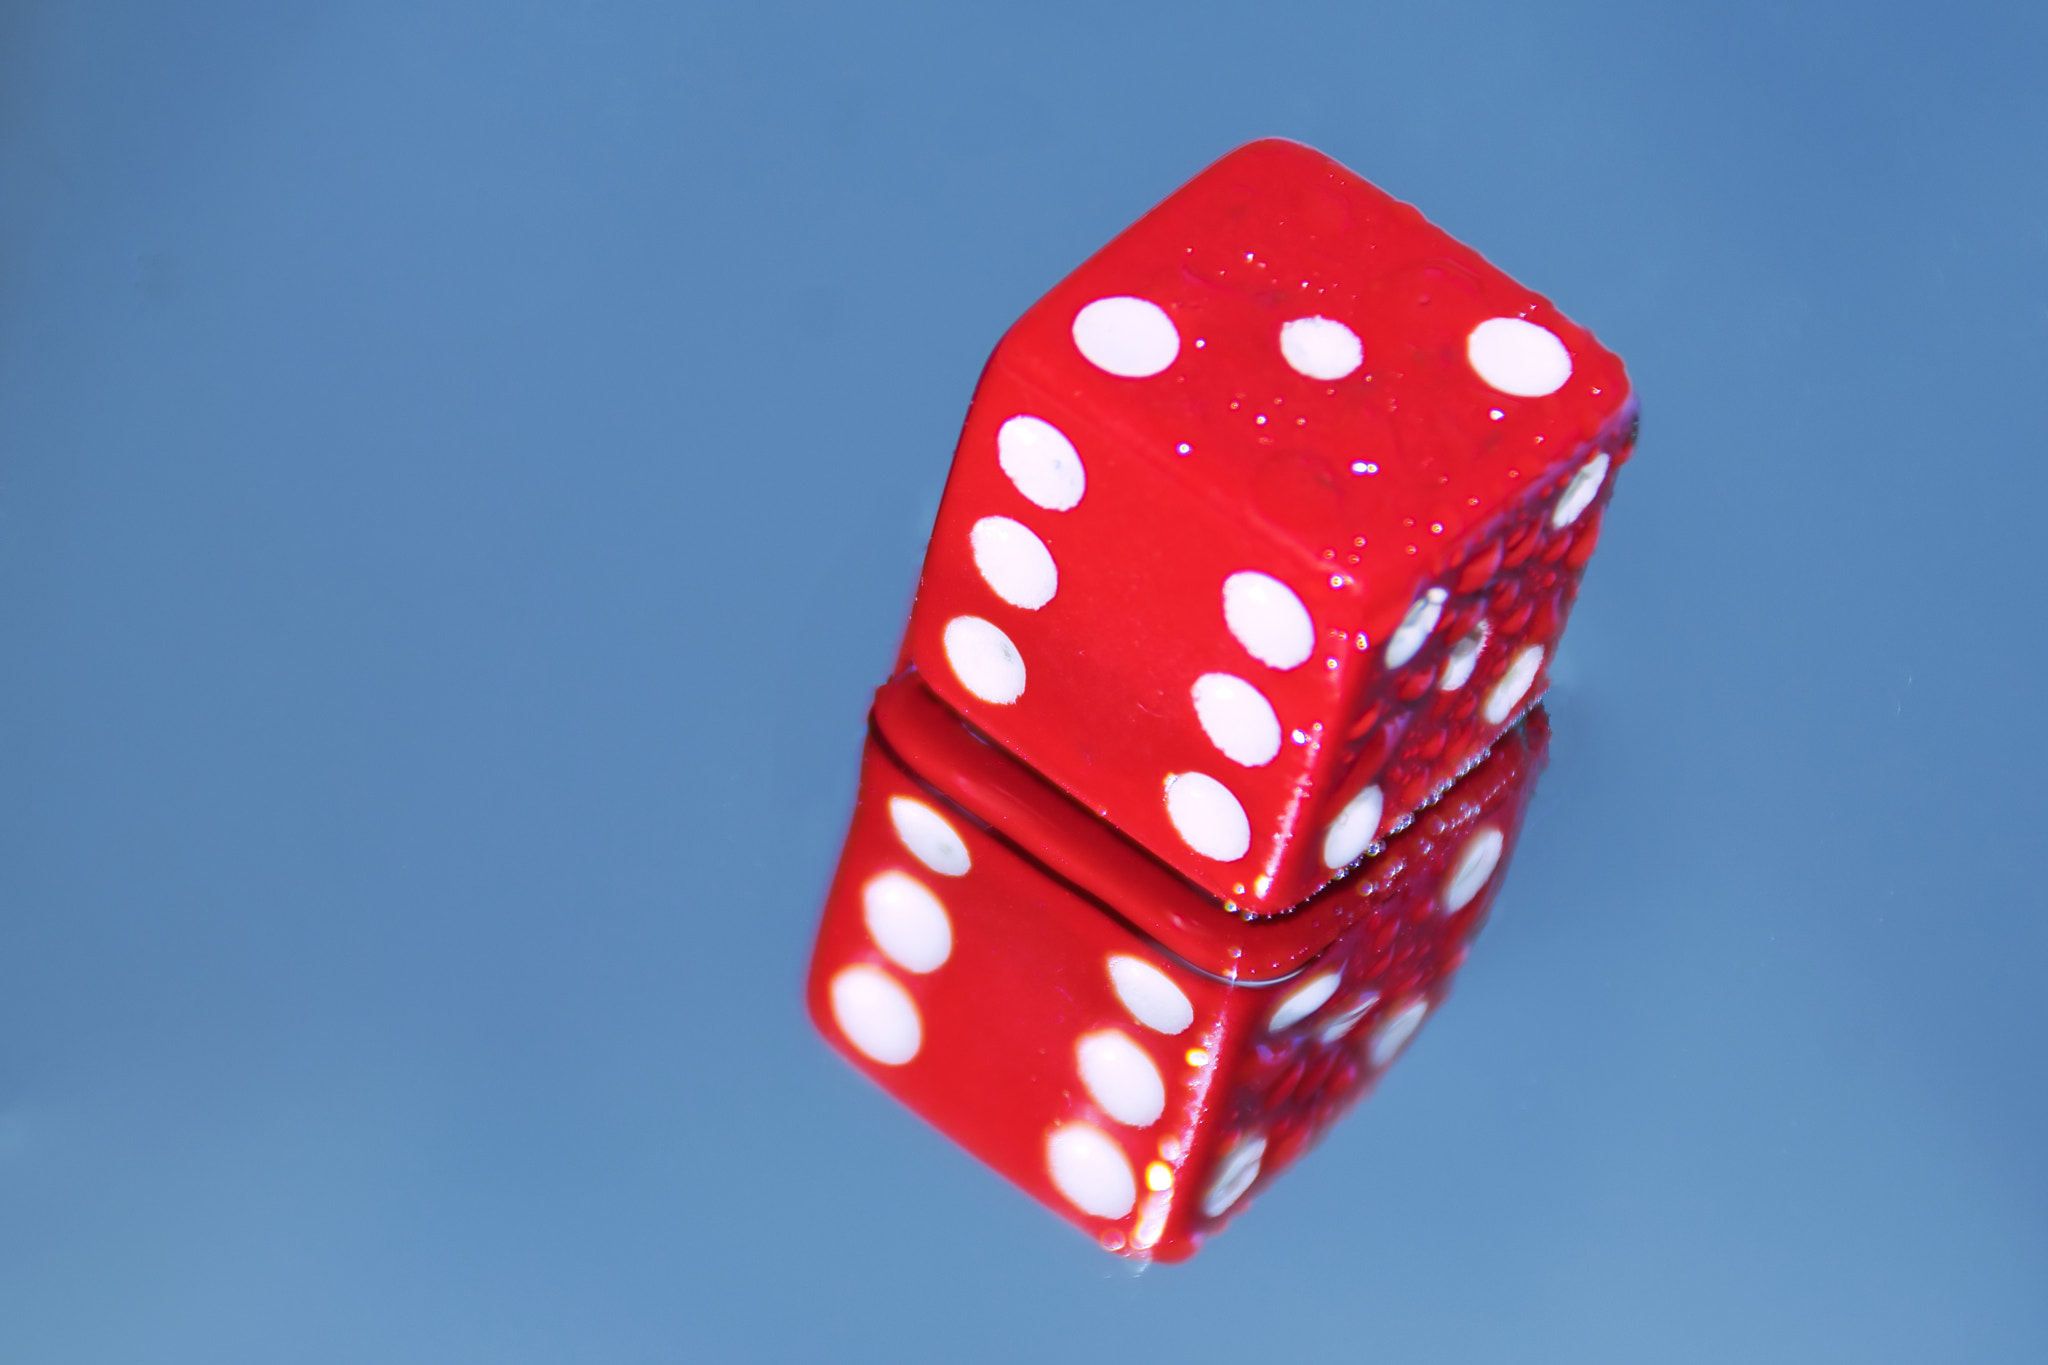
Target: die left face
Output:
[(1257, 593), (1139, 1098)]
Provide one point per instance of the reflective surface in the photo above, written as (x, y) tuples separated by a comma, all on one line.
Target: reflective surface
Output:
[(460, 472)]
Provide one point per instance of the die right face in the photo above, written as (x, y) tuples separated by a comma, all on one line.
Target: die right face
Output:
[(1245, 544)]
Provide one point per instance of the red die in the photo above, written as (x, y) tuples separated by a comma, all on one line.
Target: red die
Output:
[(1264, 522), (1128, 1085)]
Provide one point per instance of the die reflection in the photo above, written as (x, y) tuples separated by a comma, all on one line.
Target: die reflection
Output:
[(1142, 1085)]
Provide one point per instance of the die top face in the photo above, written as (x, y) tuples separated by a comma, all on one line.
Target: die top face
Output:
[(1362, 393)]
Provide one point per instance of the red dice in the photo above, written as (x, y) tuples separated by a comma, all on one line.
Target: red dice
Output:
[(1213, 722), (1265, 520), (1140, 1085)]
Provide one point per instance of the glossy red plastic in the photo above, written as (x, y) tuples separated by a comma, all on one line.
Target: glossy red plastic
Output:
[(1142, 1098), (1429, 525)]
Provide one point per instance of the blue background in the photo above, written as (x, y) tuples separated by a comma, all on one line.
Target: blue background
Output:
[(463, 467)]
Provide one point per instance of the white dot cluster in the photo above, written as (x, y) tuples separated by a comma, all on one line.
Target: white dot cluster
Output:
[(1136, 338), (1086, 1164), (1092, 1169), (1306, 999), (908, 922), (1270, 621), (1014, 560)]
